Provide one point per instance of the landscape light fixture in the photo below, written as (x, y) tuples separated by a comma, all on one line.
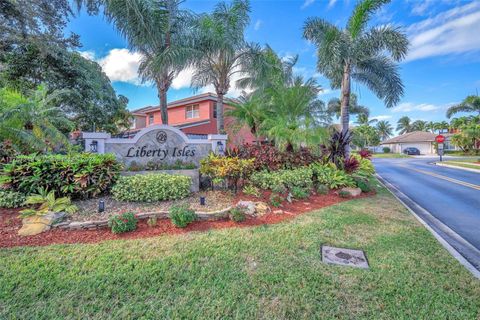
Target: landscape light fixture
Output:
[(94, 146), (101, 206), (202, 201), (220, 148)]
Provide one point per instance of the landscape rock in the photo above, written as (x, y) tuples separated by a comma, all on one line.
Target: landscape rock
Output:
[(261, 209), (354, 192), (34, 225), (247, 206), (278, 211)]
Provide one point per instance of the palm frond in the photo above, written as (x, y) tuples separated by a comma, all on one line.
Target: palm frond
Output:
[(361, 14)]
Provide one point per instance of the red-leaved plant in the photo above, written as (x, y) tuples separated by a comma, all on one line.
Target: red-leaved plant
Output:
[(365, 154), (350, 165)]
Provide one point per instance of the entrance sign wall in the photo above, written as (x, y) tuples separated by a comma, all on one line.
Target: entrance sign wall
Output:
[(157, 143)]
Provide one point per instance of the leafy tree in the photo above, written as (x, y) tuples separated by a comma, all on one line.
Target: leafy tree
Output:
[(161, 32), (364, 136), (334, 107), (223, 51), (441, 126), (419, 125), (362, 119), (404, 125), (367, 56), (384, 129), (469, 104), (33, 122)]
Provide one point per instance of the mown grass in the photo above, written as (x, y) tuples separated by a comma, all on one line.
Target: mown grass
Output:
[(463, 164), (266, 272), (390, 155)]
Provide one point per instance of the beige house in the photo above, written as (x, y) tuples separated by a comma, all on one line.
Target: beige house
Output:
[(423, 141)]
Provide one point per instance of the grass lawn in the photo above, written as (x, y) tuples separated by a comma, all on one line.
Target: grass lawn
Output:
[(269, 272), (463, 163), (390, 155)]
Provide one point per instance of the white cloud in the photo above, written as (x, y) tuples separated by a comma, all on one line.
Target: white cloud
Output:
[(331, 3), (258, 24), (307, 3), (90, 55), (381, 117), (121, 65), (325, 91), (183, 79), (451, 32), (409, 107), (422, 7)]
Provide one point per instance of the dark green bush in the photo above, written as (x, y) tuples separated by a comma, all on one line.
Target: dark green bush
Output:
[(363, 184), (386, 150), (322, 189), (237, 215), (344, 194), (299, 177), (152, 187), (11, 199), (300, 193), (124, 222), (80, 175), (181, 216), (276, 200)]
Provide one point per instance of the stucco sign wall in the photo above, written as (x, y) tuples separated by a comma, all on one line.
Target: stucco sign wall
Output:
[(159, 144)]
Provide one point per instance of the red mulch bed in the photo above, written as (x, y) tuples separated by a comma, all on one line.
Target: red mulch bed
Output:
[(10, 223)]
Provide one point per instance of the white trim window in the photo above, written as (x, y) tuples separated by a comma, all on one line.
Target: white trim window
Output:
[(150, 118), (192, 112)]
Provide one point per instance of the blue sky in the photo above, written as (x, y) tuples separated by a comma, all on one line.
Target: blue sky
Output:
[(443, 65)]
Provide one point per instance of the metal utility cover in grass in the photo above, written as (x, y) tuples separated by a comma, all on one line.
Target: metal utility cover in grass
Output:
[(344, 257)]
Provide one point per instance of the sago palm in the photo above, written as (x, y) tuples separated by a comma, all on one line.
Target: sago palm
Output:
[(404, 125), (161, 32), (366, 55), (222, 50), (469, 104), (45, 202), (384, 129)]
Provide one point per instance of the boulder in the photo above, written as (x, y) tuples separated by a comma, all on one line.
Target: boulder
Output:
[(247, 206), (354, 192), (278, 211), (38, 224), (261, 208)]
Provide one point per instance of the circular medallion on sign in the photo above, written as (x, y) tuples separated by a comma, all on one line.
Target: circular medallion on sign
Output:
[(161, 136)]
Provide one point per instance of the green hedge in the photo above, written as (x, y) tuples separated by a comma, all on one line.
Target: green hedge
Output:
[(300, 177), (327, 174), (11, 199), (79, 175), (152, 187)]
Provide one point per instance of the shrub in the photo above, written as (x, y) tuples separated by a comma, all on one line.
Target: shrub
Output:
[(279, 188), (331, 176), (45, 202), (268, 157), (299, 177), (123, 222), (178, 165), (300, 193), (344, 194), (337, 147), (181, 216), (237, 215), (251, 190), (276, 200), (363, 184), (365, 168), (322, 189), (351, 164), (386, 150), (11, 199), (152, 187), (78, 175), (230, 169), (365, 154)]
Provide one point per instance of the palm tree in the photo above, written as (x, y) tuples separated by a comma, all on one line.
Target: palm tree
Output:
[(385, 129), (161, 32), (362, 119), (367, 56), (248, 109), (419, 125), (440, 126), (334, 107), (34, 121), (404, 125), (430, 126), (223, 51), (469, 104)]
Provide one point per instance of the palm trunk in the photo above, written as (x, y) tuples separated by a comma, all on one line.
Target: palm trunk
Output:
[(345, 102), (220, 119), (162, 96)]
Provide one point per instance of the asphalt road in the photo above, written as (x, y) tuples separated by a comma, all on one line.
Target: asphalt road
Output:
[(451, 196)]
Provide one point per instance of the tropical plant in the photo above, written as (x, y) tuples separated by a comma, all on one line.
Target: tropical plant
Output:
[(337, 147), (364, 136), (384, 129), (469, 104), (237, 214), (276, 199), (441, 126), (300, 193), (419, 125), (350, 165), (11, 199), (251, 191), (161, 32), (404, 125), (181, 216), (222, 50), (367, 56), (249, 110), (363, 120), (335, 108), (123, 222), (331, 176), (468, 138), (300, 177), (46, 202)]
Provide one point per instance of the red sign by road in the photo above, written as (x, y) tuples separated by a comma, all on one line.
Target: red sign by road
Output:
[(440, 138)]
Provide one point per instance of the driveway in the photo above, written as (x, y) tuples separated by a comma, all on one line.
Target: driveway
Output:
[(450, 197)]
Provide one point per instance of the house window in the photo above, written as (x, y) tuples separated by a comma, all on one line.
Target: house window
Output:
[(192, 112), (150, 119), (214, 111)]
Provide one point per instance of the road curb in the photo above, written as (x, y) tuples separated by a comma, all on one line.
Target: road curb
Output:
[(456, 167), (403, 199)]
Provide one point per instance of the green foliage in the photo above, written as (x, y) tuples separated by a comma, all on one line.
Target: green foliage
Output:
[(364, 136), (363, 184), (300, 193), (331, 176), (124, 222), (251, 190), (299, 177), (279, 188), (77, 175), (152, 221), (365, 169), (181, 216), (237, 214), (386, 150), (322, 189), (151, 187), (11, 199), (45, 202), (154, 166), (276, 200), (344, 194), (229, 169)]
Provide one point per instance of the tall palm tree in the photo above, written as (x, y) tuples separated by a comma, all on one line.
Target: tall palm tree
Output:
[(223, 51), (469, 104), (430, 126), (249, 110), (419, 125), (362, 119), (441, 126), (368, 56), (384, 129), (404, 125), (335, 108), (161, 32)]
